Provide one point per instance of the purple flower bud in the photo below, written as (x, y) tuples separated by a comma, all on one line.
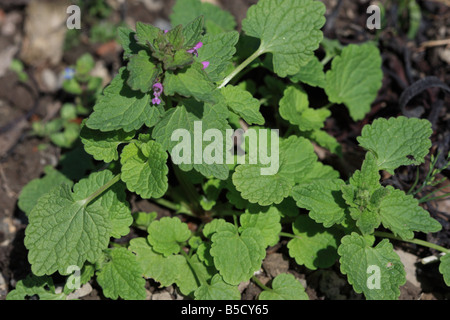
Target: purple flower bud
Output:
[(205, 64), (165, 31), (158, 89), (194, 50), (156, 100)]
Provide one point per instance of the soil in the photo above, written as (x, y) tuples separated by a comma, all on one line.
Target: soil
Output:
[(23, 156)]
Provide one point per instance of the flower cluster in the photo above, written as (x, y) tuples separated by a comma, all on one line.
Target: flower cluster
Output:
[(158, 89)]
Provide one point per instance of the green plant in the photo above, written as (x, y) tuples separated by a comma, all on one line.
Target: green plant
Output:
[(64, 131), (184, 81)]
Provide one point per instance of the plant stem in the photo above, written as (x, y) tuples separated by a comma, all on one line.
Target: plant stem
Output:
[(102, 189), (242, 66), (427, 199), (415, 241), (260, 284), (178, 208), (200, 280), (288, 235)]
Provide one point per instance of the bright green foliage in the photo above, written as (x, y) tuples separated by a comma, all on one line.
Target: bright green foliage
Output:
[(143, 72), (31, 286), (167, 234), (38, 187), (218, 49), (288, 30), (314, 246), (375, 271), (243, 104), (216, 20), (68, 228), (181, 83), (267, 222), (217, 290), (182, 93), (311, 74), (397, 141), (444, 268), (186, 117), (324, 201), (155, 265), (294, 107), (296, 158), (355, 78), (144, 169), (121, 276), (285, 287), (103, 145), (402, 214), (122, 108), (238, 255)]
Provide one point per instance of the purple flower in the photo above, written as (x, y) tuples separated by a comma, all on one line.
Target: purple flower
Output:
[(194, 50), (205, 64), (156, 101), (158, 89), (165, 31), (69, 73)]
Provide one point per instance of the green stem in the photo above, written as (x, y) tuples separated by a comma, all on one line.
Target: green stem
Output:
[(190, 191), (102, 189), (427, 199), (260, 284), (288, 235), (200, 280), (415, 241), (242, 66), (173, 206), (415, 182)]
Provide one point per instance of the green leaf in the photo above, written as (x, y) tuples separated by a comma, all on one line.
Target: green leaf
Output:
[(146, 34), (377, 272), (192, 32), (217, 290), (290, 30), (296, 158), (103, 145), (143, 73), (143, 219), (324, 139), (284, 287), (217, 225), (68, 228), (38, 187), (218, 50), (397, 141), (314, 246), (320, 172), (156, 266), (191, 82), (122, 108), (355, 78), (238, 256), (191, 119), (243, 104), (32, 285), (324, 201), (444, 268), (121, 276), (189, 281), (311, 74), (402, 214), (144, 169), (166, 235), (126, 38), (216, 19), (294, 107), (267, 222)]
